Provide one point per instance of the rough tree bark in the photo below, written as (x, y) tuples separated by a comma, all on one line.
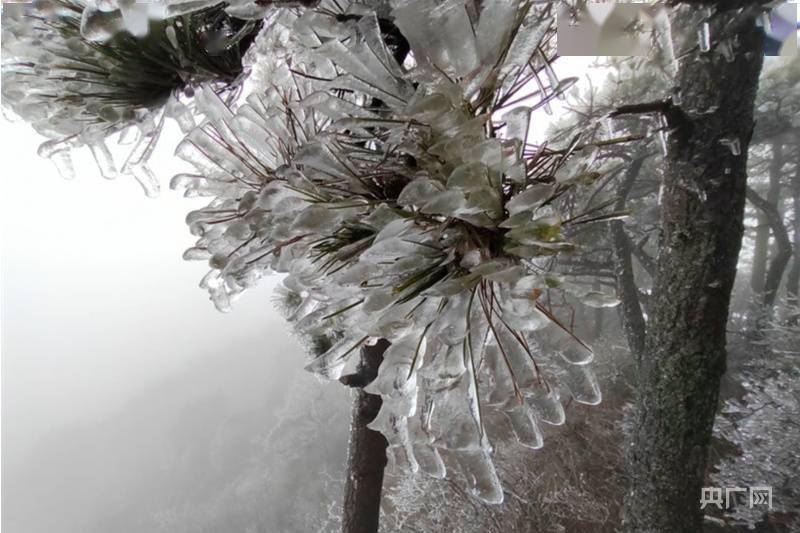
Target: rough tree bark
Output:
[(630, 308), (761, 244), (366, 457), (702, 224)]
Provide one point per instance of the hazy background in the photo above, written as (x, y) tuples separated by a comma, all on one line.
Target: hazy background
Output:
[(114, 361)]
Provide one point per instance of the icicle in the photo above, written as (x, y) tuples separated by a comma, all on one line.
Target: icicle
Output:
[(766, 21), (105, 162), (547, 405), (429, 461), (146, 178), (481, 476), (196, 254), (526, 430), (664, 28), (677, 96), (98, 25), (552, 78), (583, 385), (129, 135), (172, 37), (661, 129), (661, 137), (575, 353), (181, 113), (608, 124), (63, 162), (58, 152), (704, 37)]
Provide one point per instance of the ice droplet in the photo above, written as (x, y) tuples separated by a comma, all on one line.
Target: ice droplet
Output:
[(105, 162), (526, 430), (766, 21), (704, 37), (135, 19), (59, 153), (98, 25), (677, 96), (195, 254), (172, 37), (63, 162), (583, 384), (481, 475), (146, 178), (547, 405)]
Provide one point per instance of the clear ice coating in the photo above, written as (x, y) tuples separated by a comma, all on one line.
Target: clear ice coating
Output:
[(380, 160), (704, 36), (397, 197)]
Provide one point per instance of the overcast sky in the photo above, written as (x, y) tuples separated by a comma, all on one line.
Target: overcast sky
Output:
[(96, 300)]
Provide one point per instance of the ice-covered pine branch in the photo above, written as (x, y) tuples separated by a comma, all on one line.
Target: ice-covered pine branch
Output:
[(81, 81), (380, 160), (404, 202)]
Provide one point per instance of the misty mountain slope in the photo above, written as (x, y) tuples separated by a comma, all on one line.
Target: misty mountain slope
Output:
[(220, 444)]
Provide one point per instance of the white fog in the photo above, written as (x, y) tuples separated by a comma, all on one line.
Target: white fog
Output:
[(108, 344)]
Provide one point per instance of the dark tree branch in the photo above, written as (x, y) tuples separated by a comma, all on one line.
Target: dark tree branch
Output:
[(677, 120), (633, 322), (779, 262), (366, 458)]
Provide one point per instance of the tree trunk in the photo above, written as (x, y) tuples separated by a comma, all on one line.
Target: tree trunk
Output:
[(366, 457), (760, 253), (783, 252), (761, 245), (702, 224), (630, 308), (793, 278)]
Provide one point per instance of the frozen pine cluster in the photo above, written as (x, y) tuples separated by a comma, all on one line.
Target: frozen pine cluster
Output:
[(84, 74), (381, 162)]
